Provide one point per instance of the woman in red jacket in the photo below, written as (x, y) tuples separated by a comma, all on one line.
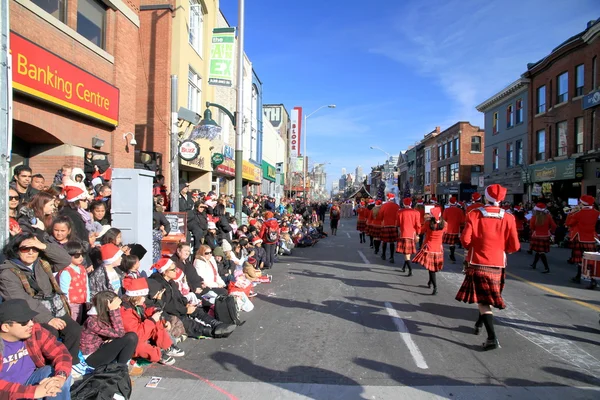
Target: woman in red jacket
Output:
[(361, 221), (541, 226), (431, 256)]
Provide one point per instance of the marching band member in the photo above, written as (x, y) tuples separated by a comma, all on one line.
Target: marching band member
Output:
[(376, 227), (361, 222), (420, 207), (431, 256), (541, 225), (454, 217), (369, 218), (409, 222), (389, 229), (582, 229), (475, 202)]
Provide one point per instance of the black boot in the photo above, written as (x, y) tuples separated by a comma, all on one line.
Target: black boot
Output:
[(371, 241), (545, 262), (406, 262), (377, 243), (383, 250), (392, 252), (478, 325), (491, 342), (577, 278), (535, 260), (452, 257), (433, 279), (409, 269)]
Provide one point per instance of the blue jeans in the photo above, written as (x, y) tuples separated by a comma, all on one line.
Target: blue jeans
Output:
[(46, 372)]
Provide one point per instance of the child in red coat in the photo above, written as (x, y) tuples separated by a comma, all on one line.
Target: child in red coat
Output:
[(431, 256)]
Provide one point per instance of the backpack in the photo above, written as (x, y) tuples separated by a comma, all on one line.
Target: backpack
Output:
[(335, 213), (226, 310), (272, 234), (103, 383)]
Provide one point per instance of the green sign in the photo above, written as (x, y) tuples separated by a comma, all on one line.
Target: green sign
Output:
[(269, 171), (555, 171), (221, 57), (217, 159)]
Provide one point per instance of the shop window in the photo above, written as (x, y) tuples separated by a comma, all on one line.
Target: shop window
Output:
[(510, 116), (510, 151), (495, 159), (519, 113), (541, 145), (56, 8), (443, 174), (579, 135), (91, 21), (561, 138), (562, 88), (579, 80), (541, 99), (454, 172), (495, 123), (476, 144), (519, 152), (196, 27)]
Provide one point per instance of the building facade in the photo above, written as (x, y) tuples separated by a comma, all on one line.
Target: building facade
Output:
[(506, 139), (419, 185), (429, 177)]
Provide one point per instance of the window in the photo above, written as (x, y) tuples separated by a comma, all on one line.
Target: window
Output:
[(541, 145), (562, 88), (439, 153), (579, 80), (510, 151), (449, 149), (579, 135), (428, 155), (519, 113), (443, 174), (456, 147), (495, 123), (594, 73), (593, 129), (194, 91), (541, 99), (196, 28), (561, 138), (443, 152), (510, 116), (476, 144), (495, 159), (428, 178), (519, 152), (91, 15), (454, 172), (56, 8)]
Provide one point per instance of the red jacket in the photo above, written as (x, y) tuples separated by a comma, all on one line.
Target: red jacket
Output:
[(388, 213), (582, 224), (488, 239), (409, 221), (421, 209), (474, 206), (274, 226), (369, 215), (544, 229), (145, 328), (44, 349), (433, 239), (362, 213), (377, 220), (95, 332), (454, 217), (339, 213)]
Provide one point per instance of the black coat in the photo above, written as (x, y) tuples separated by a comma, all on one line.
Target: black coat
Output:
[(173, 301), (186, 203), (78, 225), (223, 227), (212, 241), (158, 220)]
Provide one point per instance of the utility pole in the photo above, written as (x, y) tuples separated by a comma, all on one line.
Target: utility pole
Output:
[(239, 120), (174, 147), (5, 116)]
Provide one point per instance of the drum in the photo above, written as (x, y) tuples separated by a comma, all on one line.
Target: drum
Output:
[(590, 265)]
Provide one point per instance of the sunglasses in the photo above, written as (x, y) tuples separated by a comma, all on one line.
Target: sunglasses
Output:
[(77, 255), (29, 250), (207, 253), (21, 323), (13, 198)]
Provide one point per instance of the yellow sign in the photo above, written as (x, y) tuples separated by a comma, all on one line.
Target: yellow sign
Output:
[(251, 172)]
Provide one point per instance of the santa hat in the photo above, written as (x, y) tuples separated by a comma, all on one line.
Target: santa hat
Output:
[(285, 229), (163, 264), (256, 240), (135, 287), (372, 201), (587, 200), (517, 208), (420, 201), (74, 193), (495, 194), (407, 201), (476, 197), (433, 200), (436, 213), (390, 196), (110, 253), (211, 225), (179, 275), (452, 200), (252, 221), (378, 202), (539, 207)]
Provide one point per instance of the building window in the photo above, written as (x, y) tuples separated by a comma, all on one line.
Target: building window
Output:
[(510, 151), (456, 147), (56, 8), (594, 73), (541, 145), (579, 80), (495, 123), (495, 159), (579, 135), (91, 16), (443, 174), (519, 110), (510, 116), (449, 149), (428, 155), (561, 138), (593, 129), (541, 99), (196, 28), (454, 172), (194, 91), (562, 88), (439, 153), (476, 144), (519, 152), (427, 177)]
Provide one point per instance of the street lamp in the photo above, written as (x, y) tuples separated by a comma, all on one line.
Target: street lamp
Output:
[(305, 169), (383, 151)]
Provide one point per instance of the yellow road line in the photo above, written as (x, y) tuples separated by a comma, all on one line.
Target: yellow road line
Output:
[(547, 289)]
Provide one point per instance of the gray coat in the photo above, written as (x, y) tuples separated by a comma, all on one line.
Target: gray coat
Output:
[(12, 288)]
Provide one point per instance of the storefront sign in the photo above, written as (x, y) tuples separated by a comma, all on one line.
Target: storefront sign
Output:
[(221, 57), (227, 168), (42, 74), (591, 100), (295, 131), (217, 159), (269, 172), (251, 172), (189, 150), (228, 152), (555, 171)]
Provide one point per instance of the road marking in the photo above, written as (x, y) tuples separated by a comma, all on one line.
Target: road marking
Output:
[(360, 253), (348, 235), (405, 335), (209, 383)]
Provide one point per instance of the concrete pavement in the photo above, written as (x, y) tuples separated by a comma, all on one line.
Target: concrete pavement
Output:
[(337, 322)]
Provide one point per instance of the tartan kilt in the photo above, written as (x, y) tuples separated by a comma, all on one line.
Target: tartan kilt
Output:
[(375, 231), (361, 225), (389, 234), (578, 248), (451, 238), (483, 285), (540, 244), (406, 246), (433, 262)]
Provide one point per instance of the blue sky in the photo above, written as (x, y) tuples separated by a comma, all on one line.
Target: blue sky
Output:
[(396, 69)]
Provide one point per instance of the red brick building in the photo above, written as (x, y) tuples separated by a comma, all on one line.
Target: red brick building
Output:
[(74, 80), (564, 133)]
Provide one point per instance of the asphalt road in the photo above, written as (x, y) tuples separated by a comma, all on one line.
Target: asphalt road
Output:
[(337, 322)]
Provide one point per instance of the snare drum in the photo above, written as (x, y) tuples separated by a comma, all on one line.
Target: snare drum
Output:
[(590, 265)]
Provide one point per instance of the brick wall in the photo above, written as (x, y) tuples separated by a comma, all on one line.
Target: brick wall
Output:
[(467, 157)]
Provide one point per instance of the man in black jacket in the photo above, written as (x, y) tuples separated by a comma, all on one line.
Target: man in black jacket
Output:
[(198, 224)]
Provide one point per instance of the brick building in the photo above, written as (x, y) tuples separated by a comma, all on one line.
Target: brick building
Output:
[(563, 126), (74, 82), (458, 152), (430, 164)]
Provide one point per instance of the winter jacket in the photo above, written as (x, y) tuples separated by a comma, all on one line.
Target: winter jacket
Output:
[(271, 224), (194, 280), (78, 225), (174, 303), (223, 228), (260, 254), (99, 282), (198, 221), (158, 220), (209, 273), (138, 321), (95, 332), (24, 198), (44, 349), (212, 241)]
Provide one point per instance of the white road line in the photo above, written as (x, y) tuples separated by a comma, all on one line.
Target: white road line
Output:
[(348, 235), (360, 253), (405, 335)]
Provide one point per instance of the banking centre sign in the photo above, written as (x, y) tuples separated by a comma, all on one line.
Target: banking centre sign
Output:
[(43, 75)]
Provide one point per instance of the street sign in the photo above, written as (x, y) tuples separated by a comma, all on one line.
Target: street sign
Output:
[(189, 150), (221, 57), (217, 159)]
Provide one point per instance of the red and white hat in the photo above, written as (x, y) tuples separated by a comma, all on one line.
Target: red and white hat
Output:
[(110, 253), (135, 287), (433, 200), (74, 193), (391, 196), (211, 225), (420, 201), (517, 208), (163, 264), (407, 201), (587, 200), (436, 213), (179, 275), (256, 240), (452, 200), (495, 194), (371, 201), (539, 207), (476, 197), (377, 202)]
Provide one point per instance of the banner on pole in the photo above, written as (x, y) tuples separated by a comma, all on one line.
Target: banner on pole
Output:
[(295, 131), (221, 57)]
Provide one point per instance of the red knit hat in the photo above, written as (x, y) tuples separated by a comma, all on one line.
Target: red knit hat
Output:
[(390, 196), (256, 240), (252, 221), (476, 197), (587, 200), (135, 287), (495, 193), (378, 202), (436, 213), (74, 193), (163, 264), (452, 200), (110, 253), (407, 201)]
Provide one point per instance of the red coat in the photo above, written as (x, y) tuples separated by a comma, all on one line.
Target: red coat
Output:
[(421, 209), (145, 328), (582, 224), (362, 213), (378, 219), (454, 217), (433, 239), (273, 225), (489, 239), (473, 207), (544, 229), (409, 221), (388, 213)]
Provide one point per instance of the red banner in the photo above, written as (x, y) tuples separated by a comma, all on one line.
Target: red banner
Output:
[(44, 75)]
